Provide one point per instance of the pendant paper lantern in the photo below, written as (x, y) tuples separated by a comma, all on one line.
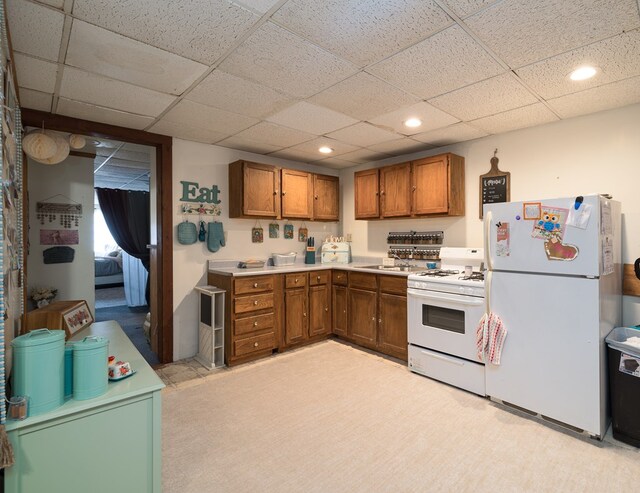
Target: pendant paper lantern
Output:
[(38, 145), (77, 141), (62, 150)]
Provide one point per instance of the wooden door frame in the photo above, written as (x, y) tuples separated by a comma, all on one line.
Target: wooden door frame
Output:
[(163, 146)]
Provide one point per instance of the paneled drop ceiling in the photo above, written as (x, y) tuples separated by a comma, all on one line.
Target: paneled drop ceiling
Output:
[(284, 77)]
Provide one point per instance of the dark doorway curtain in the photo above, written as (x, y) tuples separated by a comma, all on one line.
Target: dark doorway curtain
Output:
[(127, 214)]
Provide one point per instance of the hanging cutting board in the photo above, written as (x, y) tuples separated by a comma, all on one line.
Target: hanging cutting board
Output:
[(495, 186)]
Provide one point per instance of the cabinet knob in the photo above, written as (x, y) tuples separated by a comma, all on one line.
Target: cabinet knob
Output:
[(255, 344), (413, 189), (318, 278), (255, 324), (373, 319), (381, 192), (304, 314), (379, 320), (344, 311), (296, 281), (316, 197), (275, 192), (377, 193), (326, 309), (255, 284), (283, 193), (255, 302)]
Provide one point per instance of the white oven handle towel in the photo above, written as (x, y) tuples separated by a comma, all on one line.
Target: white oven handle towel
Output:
[(490, 336)]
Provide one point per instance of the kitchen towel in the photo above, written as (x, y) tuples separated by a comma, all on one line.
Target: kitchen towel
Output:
[(216, 236), (490, 336)]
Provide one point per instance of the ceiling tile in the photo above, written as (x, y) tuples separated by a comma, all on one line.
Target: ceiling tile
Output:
[(207, 28), (400, 146), (616, 58), (123, 163), (109, 93), (522, 32), (103, 52), (450, 135), (364, 156), (199, 115), (272, 134), (363, 33), (228, 92), (446, 61), (180, 131), (311, 147), (363, 135), (599, 98), (100, 114), (363, 96), (431, 118), (247, 145), (311, 118), (58, 4), (281, 60), (335, 163), (35, 29), (34, 73), (463, 8), (296, 155), (527, 116), (132, 156), (485, 98), (261, 6), (35, 100)]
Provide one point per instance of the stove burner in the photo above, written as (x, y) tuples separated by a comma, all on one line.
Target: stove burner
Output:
[(475, 276), (438, 273)]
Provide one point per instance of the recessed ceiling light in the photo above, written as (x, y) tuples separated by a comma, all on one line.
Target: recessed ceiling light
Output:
[(413, 122), (325, 150), (583, 73)]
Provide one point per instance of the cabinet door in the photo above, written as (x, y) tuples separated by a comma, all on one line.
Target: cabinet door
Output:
[(325, 198), (319, 310), (363, 317), (395, 190), (340, 310), (296, 194), (392, 325), (260, 190), (295, 315), (365, 185), (430, 188)]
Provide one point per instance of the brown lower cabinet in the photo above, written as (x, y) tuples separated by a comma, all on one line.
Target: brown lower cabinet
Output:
[(264, 313)]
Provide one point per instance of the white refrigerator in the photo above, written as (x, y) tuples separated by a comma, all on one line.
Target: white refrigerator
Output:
[(554, 277)]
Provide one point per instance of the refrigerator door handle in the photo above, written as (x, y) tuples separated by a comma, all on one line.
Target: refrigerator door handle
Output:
[(487, 291), (487, 239)]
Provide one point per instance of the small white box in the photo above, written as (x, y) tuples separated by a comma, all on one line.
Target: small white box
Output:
[(283, 258)]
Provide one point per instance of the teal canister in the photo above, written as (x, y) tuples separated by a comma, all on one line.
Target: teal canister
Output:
[(90, 367), (38, 371), (68, 370)]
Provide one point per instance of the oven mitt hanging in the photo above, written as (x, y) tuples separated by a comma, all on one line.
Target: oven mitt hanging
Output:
[(216, 237), (187, 234)]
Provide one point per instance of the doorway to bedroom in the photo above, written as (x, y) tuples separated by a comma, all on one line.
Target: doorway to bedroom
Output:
[(122, 218)]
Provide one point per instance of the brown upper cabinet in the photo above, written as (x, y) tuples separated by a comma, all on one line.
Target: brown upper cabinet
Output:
[(254, 190), (261, 190), (366, 188), (429, 186), (395, 196), (326, 201)]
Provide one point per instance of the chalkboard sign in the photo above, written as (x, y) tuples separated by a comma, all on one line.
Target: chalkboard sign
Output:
[(495, 186)]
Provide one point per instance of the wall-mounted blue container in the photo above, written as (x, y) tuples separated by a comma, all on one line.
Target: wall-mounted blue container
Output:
[(90, 367), (38, 369)]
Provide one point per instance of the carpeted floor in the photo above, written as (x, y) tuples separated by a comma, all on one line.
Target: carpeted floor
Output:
[(131, 320), (333, 418), (108, 297)]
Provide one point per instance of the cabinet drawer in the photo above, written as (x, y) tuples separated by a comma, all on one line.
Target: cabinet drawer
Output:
[(393, 284), (254, 344), (340, 277), (253, 324), (319, 277), (362, 280), (295, 280), (253, 303), (253, 284)]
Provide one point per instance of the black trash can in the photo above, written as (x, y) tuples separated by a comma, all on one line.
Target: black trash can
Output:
[(624, 384)]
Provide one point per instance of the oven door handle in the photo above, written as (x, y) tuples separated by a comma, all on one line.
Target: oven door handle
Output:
[(451, 298)]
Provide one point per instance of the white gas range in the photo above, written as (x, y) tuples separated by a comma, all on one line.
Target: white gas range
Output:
[(444, 307)]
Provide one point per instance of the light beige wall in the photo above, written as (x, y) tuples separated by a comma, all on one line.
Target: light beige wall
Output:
[(597, 153), (208, 165), (72, 178)]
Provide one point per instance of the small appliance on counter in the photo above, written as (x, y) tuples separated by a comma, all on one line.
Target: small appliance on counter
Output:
[(336, 251)]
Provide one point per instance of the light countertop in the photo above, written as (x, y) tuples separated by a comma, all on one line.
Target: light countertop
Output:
[(216, 268)]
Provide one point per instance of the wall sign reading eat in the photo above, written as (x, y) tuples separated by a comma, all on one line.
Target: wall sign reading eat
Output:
[(192, 192)]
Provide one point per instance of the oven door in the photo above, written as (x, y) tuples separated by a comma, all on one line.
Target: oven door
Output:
[(444, 322)]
